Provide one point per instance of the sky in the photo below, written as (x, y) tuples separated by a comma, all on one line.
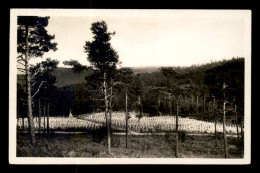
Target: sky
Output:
[(155, 37)]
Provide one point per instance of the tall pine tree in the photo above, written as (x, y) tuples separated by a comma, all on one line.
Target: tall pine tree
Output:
[(33, 41), (104, 59)]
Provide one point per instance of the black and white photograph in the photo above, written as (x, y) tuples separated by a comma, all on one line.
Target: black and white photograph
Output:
[(129, 86)]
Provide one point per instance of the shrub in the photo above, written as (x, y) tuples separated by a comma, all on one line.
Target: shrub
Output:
[(219, 135), (99, 135), (169, 137), (182, 135), (92, 151), (151, 110), (115, 142)]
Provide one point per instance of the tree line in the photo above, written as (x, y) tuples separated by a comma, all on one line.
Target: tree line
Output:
[(199, 87)]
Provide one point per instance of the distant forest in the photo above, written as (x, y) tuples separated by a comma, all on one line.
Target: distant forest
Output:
[(157, 89)]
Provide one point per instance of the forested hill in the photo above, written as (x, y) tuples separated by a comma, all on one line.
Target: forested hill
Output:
[(196, 84), (147, 69), (66, 76)]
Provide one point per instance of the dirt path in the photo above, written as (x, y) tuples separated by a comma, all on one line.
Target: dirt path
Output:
[(137, 134)]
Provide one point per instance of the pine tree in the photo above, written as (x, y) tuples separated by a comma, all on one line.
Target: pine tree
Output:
[(104, 59), (32, 41)]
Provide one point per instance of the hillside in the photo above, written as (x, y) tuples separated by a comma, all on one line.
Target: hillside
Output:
[(66, 76), (198, 83), (147, 69)]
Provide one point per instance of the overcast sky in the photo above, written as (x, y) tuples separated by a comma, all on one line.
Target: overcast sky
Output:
[(155, 37)]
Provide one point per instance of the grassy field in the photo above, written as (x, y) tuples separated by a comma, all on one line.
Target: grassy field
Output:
[(94, 145)]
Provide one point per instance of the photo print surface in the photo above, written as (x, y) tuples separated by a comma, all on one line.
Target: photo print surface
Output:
[(99, 86)]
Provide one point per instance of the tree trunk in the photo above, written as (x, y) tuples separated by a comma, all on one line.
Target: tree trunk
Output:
[(241, 126), (126, 118), (236, 122), (110, 105), (192, 100), (164, 104), (158, 105), (44, 115), (215, 116), (224, 123), (39, 119), (140, 108), (177, 135), (106, 115), (23, 122), (170, 106), (197, 104), (28, 92), (242, 135), (48, 125), (204, 104)]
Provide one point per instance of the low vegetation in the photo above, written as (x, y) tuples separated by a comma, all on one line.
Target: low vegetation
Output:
[(152, 146)]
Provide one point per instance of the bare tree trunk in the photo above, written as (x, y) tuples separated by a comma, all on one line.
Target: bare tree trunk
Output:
[(241, 126), (48, 126), (236, 122), (164, 104), (192, 100), (28, 92), (23, 122), (170, 106), (177, 135), (44, 115), (158, 105), (106, 115), (110, 105), (215, 116), (126, 118), (204, 104), (140, 108), (197, 104), (224, 123), (39, 118)]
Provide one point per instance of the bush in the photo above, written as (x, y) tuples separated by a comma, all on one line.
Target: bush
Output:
[(182, 135), (99, 135), (219, 135), (93, 151), (169, 137), (151, 110), (115, 142)]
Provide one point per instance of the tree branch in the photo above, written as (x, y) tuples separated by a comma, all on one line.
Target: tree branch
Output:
[(20, 63), (97, 99), (118, 83), (22, 99), (21, 69), (38, 89), (35, 73), (22, 59)]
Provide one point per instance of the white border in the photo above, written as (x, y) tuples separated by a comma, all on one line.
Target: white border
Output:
[(126, 13)]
